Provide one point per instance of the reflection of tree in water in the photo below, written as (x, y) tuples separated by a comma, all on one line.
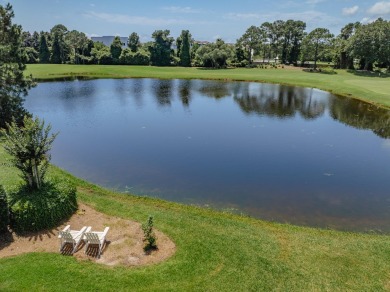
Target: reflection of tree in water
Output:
[(279, 101), (75, 89), (215, 90), (361, 115), (185, 92), (138, 91), (163, 92)]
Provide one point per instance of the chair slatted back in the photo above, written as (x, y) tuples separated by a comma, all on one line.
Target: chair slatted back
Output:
[(66, 236), (92, 238)]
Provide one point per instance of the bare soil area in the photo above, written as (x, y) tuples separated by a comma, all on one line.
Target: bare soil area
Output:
[(124, 244)]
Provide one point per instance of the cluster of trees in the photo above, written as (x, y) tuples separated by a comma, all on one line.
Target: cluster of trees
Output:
[(26, 138), (37, 204), (357, 46), (369, 44)]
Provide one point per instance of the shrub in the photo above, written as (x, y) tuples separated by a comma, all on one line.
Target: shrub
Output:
[(149, 236), (34, 210), (4, 211), (29, 145)]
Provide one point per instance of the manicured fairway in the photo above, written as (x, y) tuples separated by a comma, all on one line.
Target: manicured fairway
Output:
[(215, 252), (369, 87)]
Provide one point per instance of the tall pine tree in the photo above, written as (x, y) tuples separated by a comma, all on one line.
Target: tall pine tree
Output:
[(44, 53), (185, 55), (13, 85)]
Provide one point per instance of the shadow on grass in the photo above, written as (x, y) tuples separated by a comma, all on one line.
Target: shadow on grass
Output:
[(213, 69), (6, 239), (320, 71), (365, 73)]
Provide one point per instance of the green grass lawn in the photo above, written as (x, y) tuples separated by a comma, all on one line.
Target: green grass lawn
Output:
[(215, 252), (369, 87)]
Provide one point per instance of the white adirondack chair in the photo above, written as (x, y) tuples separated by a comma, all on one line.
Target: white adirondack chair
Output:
[(96, 238), (74, 237)]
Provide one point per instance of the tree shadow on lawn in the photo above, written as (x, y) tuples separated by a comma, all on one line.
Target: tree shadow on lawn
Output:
[(6, 239), (320, 71), (213, 69), (365, 73)]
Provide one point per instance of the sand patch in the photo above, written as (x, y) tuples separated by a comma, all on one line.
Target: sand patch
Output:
[(124, 241)]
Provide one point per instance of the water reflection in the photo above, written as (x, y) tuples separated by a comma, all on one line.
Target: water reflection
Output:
[(271, 151), (215, 89), (361, 115), (185, 87), (163, 92), (279, 101)]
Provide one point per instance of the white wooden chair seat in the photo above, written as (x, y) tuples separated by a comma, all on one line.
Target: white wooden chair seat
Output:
[(74, 237), (96, 238)]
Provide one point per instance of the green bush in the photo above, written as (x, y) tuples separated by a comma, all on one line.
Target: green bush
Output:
[(4, 211), (44, 208), (149, 236)]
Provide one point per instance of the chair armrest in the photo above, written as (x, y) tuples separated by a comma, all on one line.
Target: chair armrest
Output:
[(67, 227), (105, 231)]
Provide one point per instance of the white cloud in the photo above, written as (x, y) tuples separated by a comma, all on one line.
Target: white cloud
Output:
[(350, 10), (178, 9), (366, 20), (89, 35), (312, 18), (135, 20), (243, 16), (314, 2), (307, 16), (380, 8)]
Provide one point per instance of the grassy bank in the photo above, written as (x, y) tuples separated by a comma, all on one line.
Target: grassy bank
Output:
[(215, 252), (368, 87)]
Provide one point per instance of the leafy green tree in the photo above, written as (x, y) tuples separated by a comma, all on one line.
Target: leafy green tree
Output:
[(32, 56), (116, 49), (317, 40), (101, 54), (13, 84), (251, 41), (60, 49), (370, 44), (215, 55), (293, 33), (178, 46), (160, 49), (27, 40), (133, 42), (56, 51), (127, 57), (4, 211), (185, 47), (29, 146), (342, 56), (274, 34), (141, 57), (35, 41), (78, 43), (44, 53)]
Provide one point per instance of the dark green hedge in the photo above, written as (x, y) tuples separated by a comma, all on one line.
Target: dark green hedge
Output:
[(43, 208), (4, 211)]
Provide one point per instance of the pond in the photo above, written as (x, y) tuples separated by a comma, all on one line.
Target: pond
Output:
[(280, 153)]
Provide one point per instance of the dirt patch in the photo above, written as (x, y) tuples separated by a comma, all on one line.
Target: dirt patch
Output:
[(124, 244)]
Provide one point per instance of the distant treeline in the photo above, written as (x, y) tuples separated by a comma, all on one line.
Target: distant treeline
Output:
[(358, 46)]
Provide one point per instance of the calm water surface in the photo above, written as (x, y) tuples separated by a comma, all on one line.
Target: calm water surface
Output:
[(275, 152)]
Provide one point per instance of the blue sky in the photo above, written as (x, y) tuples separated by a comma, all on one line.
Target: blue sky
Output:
[(206, 20)]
